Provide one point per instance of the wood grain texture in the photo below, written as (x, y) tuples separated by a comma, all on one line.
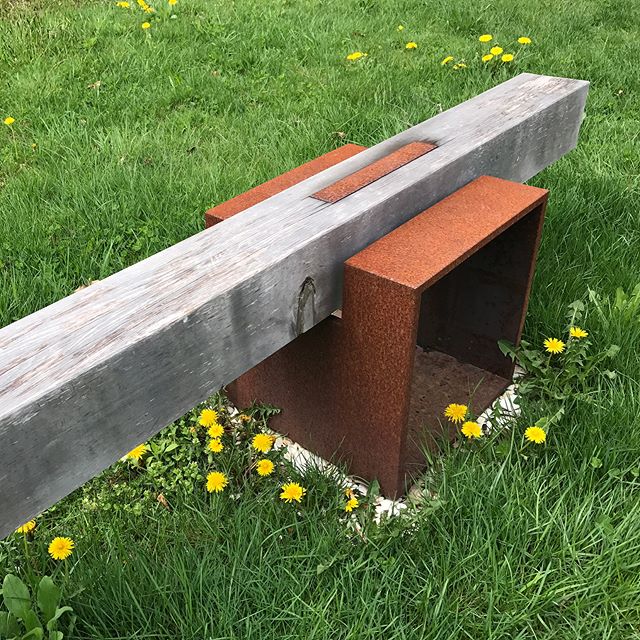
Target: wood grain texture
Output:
[(84, 380)]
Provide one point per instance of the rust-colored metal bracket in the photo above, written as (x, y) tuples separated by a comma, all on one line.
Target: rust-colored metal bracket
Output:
[(372, 172), (280, 183), (423, 309)]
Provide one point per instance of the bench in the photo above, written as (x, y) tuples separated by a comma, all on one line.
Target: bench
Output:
[(87, 378)]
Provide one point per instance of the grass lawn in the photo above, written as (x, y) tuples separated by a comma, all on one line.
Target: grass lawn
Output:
[(123, 136)]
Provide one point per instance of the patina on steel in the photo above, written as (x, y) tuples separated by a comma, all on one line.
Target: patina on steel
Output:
[(374, 171), (280, 183)]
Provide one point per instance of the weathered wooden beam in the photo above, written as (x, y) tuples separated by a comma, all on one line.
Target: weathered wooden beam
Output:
[(87, 378)]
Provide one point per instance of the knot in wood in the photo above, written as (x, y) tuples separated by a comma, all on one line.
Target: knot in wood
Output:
[(305, 316)]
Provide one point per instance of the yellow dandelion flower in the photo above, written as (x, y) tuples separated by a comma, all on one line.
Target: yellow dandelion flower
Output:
[(352, 504), (262, 442), (456, 412), (172, 2), (524, 40), (459, 65), (356, 55), (265, 467), (471, 429), (535, 434), (496, 50), (507, 57), (553, 345), (137, 453), (208, 417), (487, 37), (215, 430), (244, 417), (411, 45), (146, 25), (27, 527), (9, 121), (215, 446), (577, 332), (446, 60), (216, 481), (61, 548), (123, 5), (487, 57), (400, 27), (292, 491)]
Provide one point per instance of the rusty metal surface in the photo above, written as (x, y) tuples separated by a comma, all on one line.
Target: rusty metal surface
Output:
[(374, 171), (484, 298), (422, 310), (374, 414), (427, 247), (437, 380), (280, 183)]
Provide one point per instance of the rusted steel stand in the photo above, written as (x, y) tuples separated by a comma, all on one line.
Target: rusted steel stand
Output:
[(423, 309)]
